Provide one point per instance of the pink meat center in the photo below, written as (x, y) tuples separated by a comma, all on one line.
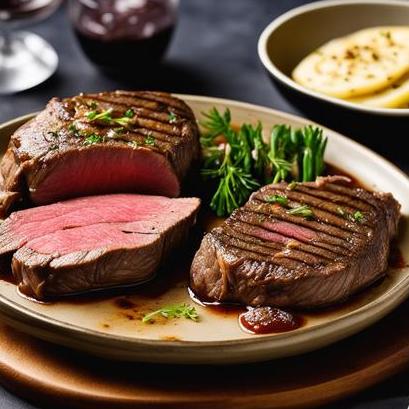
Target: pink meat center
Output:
[(106, 170)]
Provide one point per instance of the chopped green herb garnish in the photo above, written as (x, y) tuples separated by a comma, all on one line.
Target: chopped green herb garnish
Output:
[(342, 212), (123, 121), (280, 199), (149, 140), (106, 116), (354, 217), (173, 311), (293, 185), (358, 216), (130, 113), (172, 117), (74, 130), (92, 104), (92, 115), (92, 139), (134, 144), (302, 211)]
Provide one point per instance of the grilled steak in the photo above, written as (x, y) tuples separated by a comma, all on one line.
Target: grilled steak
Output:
[(264, 255), (140, 142), (94, 242)]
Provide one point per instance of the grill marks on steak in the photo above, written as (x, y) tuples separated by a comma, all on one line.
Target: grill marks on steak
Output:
[(47, 159), (94, 242), (262, 255)]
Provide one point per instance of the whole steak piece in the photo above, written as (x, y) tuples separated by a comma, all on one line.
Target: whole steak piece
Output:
[(111, 142), (267, 253), (94, 242)]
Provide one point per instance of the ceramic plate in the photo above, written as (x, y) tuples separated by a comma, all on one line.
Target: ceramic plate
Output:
[(111, 326)]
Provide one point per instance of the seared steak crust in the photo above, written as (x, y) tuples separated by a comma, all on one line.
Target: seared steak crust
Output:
[(64, 152), (262, 255)]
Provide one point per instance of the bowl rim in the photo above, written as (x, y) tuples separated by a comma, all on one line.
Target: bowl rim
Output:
[(287, 81)]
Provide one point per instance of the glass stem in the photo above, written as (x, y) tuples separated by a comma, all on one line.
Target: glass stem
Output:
[(5, 42)]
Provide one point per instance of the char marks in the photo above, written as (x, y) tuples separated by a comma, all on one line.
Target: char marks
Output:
[(151, 119), (264, 255), (146, 142)]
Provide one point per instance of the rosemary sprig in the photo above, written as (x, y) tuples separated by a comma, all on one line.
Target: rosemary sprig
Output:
[(312, 154), (302, 211), (241, 160), (353, 217), (173, 311), (106, 117), (235, 186), (280, 199), (215, 124), (280, 152)]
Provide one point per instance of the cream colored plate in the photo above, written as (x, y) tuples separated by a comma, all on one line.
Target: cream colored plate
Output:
[(104, 327)]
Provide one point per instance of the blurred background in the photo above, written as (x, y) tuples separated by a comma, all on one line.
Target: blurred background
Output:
[(205, 47), (213, 51)]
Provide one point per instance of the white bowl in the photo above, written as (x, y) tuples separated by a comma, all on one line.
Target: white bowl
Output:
[(293, 35)]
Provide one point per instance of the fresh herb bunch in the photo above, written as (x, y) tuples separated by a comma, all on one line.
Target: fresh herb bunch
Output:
[(240, 161), (230, 162)]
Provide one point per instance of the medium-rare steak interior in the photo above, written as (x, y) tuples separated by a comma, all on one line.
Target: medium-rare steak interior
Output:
[(110, 142), (298, 245), (94, 242)]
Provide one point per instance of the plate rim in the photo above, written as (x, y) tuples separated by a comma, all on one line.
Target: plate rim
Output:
[(396, 295)]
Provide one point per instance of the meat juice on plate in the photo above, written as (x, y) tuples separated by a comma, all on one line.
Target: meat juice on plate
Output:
[(254, 320), (124, 34)]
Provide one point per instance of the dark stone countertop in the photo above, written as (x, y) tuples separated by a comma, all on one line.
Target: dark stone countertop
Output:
[(213, 52)]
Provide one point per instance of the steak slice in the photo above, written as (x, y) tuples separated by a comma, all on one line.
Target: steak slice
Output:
[(94, 242), (263, 255), (110, 142)]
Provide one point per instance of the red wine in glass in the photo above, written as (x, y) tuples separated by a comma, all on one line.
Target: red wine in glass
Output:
[(124, 35)]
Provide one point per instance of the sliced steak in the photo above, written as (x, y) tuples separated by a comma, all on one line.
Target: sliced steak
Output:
[(111, 142), (94, 242), (263, 255)]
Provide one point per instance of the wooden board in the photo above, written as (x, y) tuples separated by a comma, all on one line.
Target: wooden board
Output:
[(52, 375)]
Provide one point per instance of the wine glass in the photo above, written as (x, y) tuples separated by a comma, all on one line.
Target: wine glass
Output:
[(26, 59), (124, 35)]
